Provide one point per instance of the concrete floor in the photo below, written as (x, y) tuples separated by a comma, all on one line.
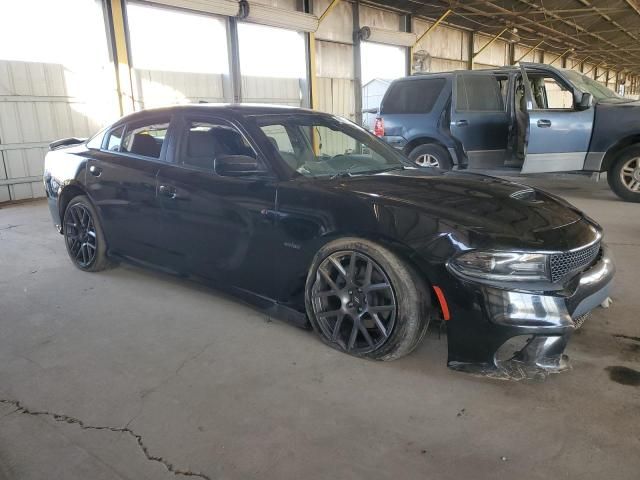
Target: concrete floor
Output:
[(188, 380)]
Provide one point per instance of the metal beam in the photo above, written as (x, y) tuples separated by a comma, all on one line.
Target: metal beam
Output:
[(432, 27), (328, 10), (540, 29), (571, 24), (529, 51), (561, 55), (593, 68), (490, 42), (424, 35)]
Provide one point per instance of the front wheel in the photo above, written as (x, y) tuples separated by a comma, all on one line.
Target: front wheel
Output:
[(83, 236), (624, 175), (363, 300), (431, 155)]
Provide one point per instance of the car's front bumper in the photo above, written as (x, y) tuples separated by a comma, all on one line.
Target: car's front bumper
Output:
[(522, 333)]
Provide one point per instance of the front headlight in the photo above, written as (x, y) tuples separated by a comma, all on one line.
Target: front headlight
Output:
[(502, 266)]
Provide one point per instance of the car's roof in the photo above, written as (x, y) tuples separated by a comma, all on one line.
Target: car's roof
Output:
[(241, 109)]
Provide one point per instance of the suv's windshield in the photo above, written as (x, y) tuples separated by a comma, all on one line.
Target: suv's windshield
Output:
[(589, 85), (319, 146)]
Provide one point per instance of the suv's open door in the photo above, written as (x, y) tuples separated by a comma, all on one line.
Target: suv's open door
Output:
[(558, 135)]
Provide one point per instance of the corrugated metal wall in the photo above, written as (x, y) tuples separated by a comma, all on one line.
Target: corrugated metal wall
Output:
[(334, 60), (40, 101), (448, 47), (495, 55), (44, 101), (154, 88)]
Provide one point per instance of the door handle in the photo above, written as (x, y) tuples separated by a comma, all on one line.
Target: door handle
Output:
[(167, 191), (95, 171), (462, 123), (272, 214), (544, 123)]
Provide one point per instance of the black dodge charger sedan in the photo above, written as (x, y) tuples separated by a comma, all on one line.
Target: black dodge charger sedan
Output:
[(312, 219)]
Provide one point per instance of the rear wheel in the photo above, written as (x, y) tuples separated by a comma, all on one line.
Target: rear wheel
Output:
[(83, 236), (363, 300), (624, 175), (431, 155)]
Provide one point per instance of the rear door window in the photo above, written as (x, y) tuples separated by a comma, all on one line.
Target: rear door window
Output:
[(479, 93), (146, 139), (413, 96)]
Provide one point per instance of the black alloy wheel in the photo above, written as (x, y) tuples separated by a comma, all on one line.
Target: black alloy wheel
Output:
[(364, 300), (80, 234), (83, 236), (354, 302)]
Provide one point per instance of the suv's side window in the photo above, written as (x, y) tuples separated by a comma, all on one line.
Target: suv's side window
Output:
[(550, 94), (479, 93), (145, 139), (204, 141), (412, 96)]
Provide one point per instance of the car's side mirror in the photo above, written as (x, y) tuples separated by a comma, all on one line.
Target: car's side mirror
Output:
[(236, 165), (585, 102)]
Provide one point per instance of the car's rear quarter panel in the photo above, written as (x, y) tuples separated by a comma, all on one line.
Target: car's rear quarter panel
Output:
[(64, 177)]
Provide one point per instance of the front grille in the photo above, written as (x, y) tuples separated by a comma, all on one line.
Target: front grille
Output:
[(565, 263), (579, 321)]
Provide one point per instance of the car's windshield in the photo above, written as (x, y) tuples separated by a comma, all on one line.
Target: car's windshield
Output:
[(589, 85), (326, 146)]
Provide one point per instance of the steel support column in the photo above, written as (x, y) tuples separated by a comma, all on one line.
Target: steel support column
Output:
[(406, 25), (116, 16), (471, 46), (357, 63), (233, 51)]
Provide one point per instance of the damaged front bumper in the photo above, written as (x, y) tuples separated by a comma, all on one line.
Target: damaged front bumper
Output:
[(523, 334)]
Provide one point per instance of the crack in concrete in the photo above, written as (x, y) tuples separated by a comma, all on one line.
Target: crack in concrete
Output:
[(19, 408), (9, 227), (627, 337), (176, 372)]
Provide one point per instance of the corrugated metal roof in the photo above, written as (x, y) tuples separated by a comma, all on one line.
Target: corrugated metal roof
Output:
[(606, 31)]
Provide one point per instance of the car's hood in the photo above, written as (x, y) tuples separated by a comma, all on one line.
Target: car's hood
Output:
[(487, 206)]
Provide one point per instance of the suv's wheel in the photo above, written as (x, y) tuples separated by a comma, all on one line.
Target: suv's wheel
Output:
[(363, 300), (83, 236), (624, 175), (431, 155)]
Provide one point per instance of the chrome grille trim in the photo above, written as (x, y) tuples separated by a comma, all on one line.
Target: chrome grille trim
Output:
[(562, 264), (579, 321)]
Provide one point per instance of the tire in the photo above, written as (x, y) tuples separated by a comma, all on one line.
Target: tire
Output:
[(431, 155), (402, 308), (84, 237), (623, 175)]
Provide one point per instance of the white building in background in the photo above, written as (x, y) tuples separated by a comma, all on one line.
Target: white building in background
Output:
[(372, 93)]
